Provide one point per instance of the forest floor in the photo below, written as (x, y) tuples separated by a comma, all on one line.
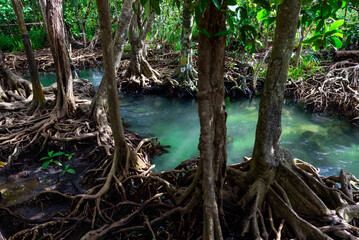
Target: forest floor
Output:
[(335, 90)]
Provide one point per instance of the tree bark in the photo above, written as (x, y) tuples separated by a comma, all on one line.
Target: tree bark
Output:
[(121, 151), (139, 67), (99, 101), (269, 128), (300, 46), (122, 30), (38, 100), (212, 115), (65, 104), (185, 73), (9, 81)]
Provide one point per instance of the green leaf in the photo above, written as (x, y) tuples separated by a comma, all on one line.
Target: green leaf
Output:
[(338, 34), (216, 3), (269, 21), (319, 26), (355, 2), (71, 171), (67, 166), (156, 6), (278, 2), (44, 158), (45, 164), (221, 33), (203, 5), (336, 42), (63, 172), (231, 2), (58, 154), (336, 25), (262, 15), (57, 162), (205, 32), (50, 153), (263, 3), (312, 39)]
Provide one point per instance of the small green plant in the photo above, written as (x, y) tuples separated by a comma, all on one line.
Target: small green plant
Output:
[(69, 156), (50, 158), (68, 170)]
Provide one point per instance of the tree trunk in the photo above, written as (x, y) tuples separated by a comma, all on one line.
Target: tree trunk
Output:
[(99, 102), (140, 72), (65, 104), (212, 115), (122, 30), (12, 84), (269, 129), (121, 152), (300, 46), (184, 73), (38, 100)]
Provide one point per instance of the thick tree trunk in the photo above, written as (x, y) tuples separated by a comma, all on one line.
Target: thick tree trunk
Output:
[(13, 87), (65, 103), (212, 115), (184, 73), (121, 152), (38, 100), (269, 128)]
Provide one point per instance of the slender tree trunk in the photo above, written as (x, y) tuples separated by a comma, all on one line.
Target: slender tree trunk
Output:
[(99, 101), (269, 128), (122, 30), (65, 103), (300, 46), (139, 67), (38, 100), (185, 72), (212, 115), (121, 150)]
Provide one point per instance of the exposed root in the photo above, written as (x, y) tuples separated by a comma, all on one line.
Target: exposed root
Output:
[(335, 92)]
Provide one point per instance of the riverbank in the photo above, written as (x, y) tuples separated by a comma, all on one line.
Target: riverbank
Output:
[(334, 90)]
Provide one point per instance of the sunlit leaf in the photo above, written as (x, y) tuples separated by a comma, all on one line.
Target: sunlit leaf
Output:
[(262, 15), (2, 164), (336, 24), (58, 163), (336, 42)]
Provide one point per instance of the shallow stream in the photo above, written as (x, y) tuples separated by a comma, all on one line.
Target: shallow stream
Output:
[(324, 141)]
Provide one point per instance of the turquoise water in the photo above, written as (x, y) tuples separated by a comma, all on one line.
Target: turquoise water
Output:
[(326, 142)]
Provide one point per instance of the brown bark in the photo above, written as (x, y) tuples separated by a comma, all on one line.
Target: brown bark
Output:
[(346, 54), (65, 103), (139, 67), (38, 100), (269, 129), (99, 101), (211, 110), (122, 154), (9, 81)]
